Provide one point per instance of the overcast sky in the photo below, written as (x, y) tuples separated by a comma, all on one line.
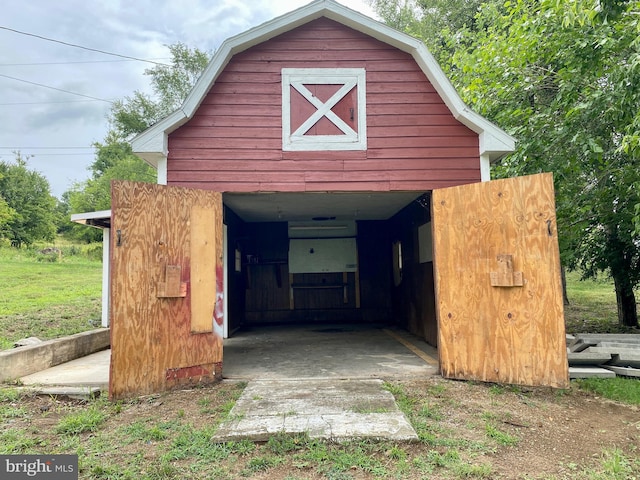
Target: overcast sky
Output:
[(58, 128)]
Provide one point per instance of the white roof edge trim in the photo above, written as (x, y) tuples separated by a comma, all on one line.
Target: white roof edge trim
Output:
[(493, 140), (96, 219), (75, 217), (152, 143)]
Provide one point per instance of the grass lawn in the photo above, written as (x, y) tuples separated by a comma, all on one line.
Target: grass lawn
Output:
[(47, 296), (592, 307), (466, 429)]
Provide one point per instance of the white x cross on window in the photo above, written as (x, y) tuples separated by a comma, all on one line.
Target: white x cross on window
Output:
[(324, 109)]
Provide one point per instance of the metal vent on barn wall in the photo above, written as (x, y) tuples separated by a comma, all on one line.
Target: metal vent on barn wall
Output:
[(324, 109)]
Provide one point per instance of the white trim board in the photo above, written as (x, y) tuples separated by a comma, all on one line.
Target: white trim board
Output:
[(346, 79)]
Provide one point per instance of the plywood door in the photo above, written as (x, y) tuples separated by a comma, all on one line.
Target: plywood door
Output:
[(498, 289), (166, 289)]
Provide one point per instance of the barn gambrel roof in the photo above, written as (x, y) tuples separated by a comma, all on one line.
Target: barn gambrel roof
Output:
[(151, 144)]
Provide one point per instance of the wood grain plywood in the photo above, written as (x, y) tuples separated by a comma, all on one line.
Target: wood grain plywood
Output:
[(499, 334), (152, 346), (203, 267)]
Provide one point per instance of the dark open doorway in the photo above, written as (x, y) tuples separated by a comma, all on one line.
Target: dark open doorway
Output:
[(330, 258)]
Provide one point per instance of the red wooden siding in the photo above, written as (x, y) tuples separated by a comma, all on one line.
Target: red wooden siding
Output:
[(234, 142)]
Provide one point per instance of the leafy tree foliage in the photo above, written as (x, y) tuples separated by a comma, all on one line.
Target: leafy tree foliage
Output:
[(114, 161), (62, 213), (427, 19), (27, 206), (563, 77), (6, 214), (170, 85), (114, 158)]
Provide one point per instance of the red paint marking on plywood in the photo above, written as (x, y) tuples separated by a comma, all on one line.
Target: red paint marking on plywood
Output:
[(218, 310), (186, 372)]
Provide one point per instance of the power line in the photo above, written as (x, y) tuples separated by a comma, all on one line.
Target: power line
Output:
[(58, 154), (80, 46), (46, 103), (46, 148), (60, 63), (54, 88)]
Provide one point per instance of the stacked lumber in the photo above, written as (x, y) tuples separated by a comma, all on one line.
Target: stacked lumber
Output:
[(603, 355)]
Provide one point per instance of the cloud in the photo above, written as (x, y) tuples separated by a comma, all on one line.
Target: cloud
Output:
[(63, 118), (137, 28)]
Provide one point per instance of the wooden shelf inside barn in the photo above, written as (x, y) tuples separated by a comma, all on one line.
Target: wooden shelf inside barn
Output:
[(344, 285)]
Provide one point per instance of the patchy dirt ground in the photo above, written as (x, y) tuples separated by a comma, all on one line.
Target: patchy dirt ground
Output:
[(467, 430), (555, 431)]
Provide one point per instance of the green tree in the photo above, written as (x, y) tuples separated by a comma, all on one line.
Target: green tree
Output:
[(114, 161), (62, 212), (6, 214), (29, 212), (559, 76), (170, 85), (114, 158), (432, 20), (563, 77)]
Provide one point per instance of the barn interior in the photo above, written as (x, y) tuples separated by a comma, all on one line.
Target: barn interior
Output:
[(323, 259)]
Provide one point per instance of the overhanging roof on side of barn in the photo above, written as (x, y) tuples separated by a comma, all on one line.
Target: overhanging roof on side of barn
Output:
[(151, 144), (99, 219)]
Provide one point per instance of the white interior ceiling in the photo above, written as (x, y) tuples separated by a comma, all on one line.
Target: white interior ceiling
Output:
[(281, 207)]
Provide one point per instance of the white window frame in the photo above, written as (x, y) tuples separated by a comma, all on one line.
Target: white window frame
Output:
[(347, 77)]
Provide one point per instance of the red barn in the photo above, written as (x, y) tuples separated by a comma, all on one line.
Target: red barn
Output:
[(313, 149)]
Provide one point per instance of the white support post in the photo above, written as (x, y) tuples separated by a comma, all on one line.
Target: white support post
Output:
[(106, 276), (485, 168), (162, 170)]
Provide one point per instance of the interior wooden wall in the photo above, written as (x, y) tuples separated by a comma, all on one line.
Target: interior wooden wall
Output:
[(414, 298), (374, 262), (236, 283), (266, 277), (265, 251)]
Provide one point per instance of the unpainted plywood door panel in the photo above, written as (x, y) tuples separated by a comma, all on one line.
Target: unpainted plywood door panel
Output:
[(166, 289), (507, 327)]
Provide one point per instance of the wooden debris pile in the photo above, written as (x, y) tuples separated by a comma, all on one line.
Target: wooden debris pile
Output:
[(603, 355)]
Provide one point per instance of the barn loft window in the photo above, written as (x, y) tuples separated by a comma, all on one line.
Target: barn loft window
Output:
[(324, 109)]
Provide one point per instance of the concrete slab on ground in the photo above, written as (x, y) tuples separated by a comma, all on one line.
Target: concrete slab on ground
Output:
[(320, 351), (81, 393), (89, 371), (609, 337), (627, 351), (624, 371), (333, 409), (586, 358), (19, 362), (590, 372), (626, 360)]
